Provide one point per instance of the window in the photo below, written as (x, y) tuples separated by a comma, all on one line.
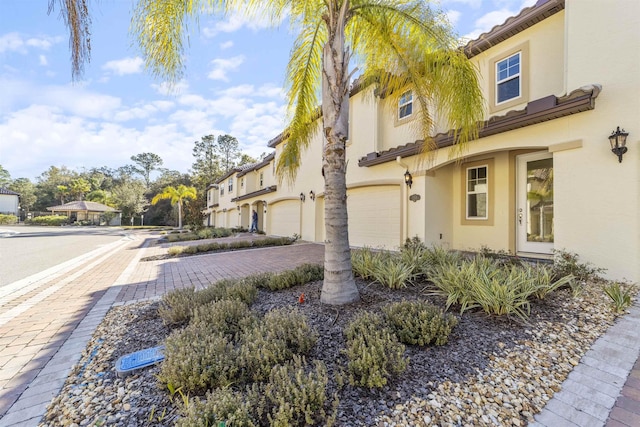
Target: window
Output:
[(477, 192), (242, 183), (405, 105), (230, 185), (261, 179), (508, 78), (222, 190)]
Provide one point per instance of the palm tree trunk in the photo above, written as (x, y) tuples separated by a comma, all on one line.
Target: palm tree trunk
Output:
[(339, 285), (180, 214)]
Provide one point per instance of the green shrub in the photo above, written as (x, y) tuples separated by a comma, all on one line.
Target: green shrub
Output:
[(295, 395), (228, 317), (176, 307), (363, 262), (300, 275), (373, 351), (566, 263), (191, 250), (241, 289), (221, 406), (281, 334), (175, 250), (419, 323), (48, 220), (8, 219), (620, 298), (198, 358)]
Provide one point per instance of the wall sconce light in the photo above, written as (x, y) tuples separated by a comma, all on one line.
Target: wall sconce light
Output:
[(408, 179), (312, 195), (302, 197), (618, 140)]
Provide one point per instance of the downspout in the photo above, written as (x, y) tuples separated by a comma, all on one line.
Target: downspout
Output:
[(405, 203)]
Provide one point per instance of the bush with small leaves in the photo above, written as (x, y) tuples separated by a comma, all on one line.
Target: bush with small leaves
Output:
[(221, 406), (228, 317), (296, 395), (281, 334), (241, 289), (419, 323), (8, 219), (47, 220), (175, 250), (373, 350), (239, 244), (566, 263), (300, 275), (176, 306), (198, 358)]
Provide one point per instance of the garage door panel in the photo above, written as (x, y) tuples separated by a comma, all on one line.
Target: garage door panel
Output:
[(285, 218), (374, 216)]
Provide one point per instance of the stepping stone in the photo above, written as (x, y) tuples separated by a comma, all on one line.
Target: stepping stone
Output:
[(138, 360)]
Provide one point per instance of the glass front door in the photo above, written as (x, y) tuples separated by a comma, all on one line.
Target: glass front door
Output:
[(534, 210)]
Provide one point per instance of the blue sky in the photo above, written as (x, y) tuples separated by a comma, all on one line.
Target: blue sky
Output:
[(233, 84)]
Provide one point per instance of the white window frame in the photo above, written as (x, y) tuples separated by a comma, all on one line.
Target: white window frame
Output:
[(476, 192), (230, 185), (517, 75), (404, 102)]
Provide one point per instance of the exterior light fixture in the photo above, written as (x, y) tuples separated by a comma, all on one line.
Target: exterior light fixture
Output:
[(618, 140), (408, 179), (302, 197), (312, 195)]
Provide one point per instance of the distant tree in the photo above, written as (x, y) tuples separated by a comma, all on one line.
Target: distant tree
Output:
[(101, 196), (27, 191), (5, 177), (229, 149), (246, 159), (146, 162), (62, 192), (129, 197), (78, 188), (206, 167), (176, 196), (47, 186)]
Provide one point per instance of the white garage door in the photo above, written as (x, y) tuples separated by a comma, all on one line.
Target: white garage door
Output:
[(284, 218), (374, 216)]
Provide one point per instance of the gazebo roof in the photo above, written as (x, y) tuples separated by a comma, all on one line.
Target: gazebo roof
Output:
[(81, 206)]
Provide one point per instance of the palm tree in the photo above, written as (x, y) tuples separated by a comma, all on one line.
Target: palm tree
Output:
[(398, 44), (176, 195)]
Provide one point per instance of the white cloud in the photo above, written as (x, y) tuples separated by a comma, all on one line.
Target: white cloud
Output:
[(14, 42), (474, 4), (453, 16), (234, 23), (222, 66), (124, 66), (226, 45), (43, 60), (171, 89)]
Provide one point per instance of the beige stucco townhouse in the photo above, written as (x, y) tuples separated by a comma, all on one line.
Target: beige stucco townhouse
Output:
[(558, 78)]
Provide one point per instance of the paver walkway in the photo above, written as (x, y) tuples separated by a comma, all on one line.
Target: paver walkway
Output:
[(47, 319)]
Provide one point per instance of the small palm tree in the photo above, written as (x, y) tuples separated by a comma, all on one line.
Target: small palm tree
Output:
[(176, 195)]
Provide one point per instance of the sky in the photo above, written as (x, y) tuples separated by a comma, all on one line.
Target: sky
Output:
[(233, 84)]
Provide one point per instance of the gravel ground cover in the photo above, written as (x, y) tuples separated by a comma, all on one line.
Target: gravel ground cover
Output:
[(493, 370)]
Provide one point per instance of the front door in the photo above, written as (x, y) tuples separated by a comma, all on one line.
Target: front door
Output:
[(534, 210)]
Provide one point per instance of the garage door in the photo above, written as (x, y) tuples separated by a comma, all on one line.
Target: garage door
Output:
[(284, 218), (374, 216)]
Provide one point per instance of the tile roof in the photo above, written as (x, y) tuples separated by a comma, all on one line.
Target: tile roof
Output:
[(81, 205), (8, 192)]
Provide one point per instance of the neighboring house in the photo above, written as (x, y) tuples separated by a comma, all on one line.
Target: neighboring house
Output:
[(9, 202), (95, 213), (558, 78)]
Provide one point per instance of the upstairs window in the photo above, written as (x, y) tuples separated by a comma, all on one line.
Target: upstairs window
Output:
[(508, 78), (242, 183), (477, 192), (222, 190), (405, 105), (261, 179), (230, 185)]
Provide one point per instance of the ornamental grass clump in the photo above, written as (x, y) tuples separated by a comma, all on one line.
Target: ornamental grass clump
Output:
[(496, 288), (373, 351), (175, 250), (419, 323), (280, 335), (393, 273), (621, 298), (363, 262)]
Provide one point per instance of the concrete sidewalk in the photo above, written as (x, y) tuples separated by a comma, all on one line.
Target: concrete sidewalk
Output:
[(46, 321)]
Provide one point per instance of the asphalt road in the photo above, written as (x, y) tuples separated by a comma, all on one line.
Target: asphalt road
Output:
[(27, 250)]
